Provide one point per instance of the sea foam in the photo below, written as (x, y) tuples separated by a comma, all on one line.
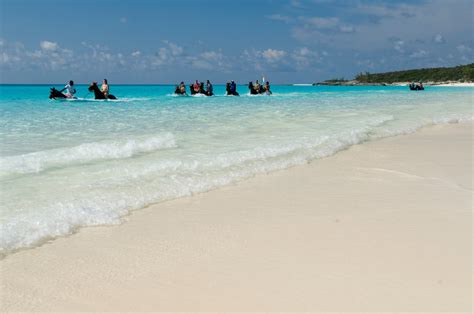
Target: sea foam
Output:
[(84, 153)]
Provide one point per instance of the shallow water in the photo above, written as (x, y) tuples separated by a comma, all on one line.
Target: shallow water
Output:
[(72, 163)]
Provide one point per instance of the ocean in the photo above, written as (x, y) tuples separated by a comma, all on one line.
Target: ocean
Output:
[(74, 163)]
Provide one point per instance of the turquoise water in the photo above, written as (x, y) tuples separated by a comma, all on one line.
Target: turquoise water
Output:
[(68, 164)]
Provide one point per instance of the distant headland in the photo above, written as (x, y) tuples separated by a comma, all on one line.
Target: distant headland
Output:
[(461, 75)]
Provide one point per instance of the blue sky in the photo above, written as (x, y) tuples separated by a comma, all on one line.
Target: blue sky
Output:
[(294, 41)]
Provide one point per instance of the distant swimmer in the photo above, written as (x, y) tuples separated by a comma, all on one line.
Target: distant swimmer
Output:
[(70, 90), (105, 88)]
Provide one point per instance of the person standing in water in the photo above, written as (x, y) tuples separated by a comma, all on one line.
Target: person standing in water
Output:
[(105, 88), (70, 90)]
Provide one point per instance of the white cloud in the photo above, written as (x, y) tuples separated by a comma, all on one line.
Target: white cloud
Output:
[(136, 53), (399, 45), (273, 55), (210, 60), (280, 60), (175, 49), (170, 54), (48, 45), (420, 53), (304, 57)]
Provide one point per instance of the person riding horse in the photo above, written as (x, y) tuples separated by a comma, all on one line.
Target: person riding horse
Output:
[(98, 93), (231, 89)]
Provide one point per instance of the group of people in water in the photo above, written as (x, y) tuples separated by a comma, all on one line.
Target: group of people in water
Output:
[(69, 91), (196, 88), (416, 86), (258, 88), (230, 88)]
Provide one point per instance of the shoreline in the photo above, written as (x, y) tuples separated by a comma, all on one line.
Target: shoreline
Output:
[(356, 83), (124, 218), (265, 240)]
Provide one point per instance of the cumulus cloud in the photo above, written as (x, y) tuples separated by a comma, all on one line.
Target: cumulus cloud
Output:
[(210, 60), (280, 60), (273, 55), (48, 45), (136, 53), (304, 57), (175, 49), (167, 55)]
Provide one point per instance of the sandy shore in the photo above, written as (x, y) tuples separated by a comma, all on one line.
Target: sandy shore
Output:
[(383, 226), (457, 84)]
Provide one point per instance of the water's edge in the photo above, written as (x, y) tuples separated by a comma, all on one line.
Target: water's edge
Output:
[(75, 229)]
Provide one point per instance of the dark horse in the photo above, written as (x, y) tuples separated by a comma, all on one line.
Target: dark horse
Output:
[(178, 91), (54, 93), (98, 93), (229, 91)]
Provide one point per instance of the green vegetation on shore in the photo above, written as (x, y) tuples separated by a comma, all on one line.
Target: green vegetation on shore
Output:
[(461, 73)]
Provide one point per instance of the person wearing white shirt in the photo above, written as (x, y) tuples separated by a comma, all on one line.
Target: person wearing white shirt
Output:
[(70, 90)]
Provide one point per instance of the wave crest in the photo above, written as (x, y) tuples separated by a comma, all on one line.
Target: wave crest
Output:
[(88, 152)]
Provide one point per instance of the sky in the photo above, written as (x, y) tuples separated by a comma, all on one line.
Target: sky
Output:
[(294, 41)]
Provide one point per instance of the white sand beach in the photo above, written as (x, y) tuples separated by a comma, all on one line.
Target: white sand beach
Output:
[(457, 84), (382, 226)]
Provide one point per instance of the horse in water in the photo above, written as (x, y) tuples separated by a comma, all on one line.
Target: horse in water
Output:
[(262, 89), (229, 90), (200, 90), (54, 93), (98, 93), (418, 86)]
